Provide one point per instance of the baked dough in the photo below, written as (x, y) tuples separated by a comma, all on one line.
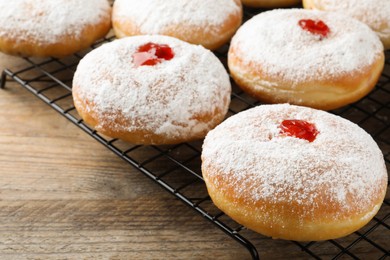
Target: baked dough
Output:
[(175, 100), (290, 188), (210, 23), (375, 13), (276, 60), (54, 28)]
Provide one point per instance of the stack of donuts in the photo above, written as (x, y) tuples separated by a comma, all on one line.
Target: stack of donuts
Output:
[(287, 169)]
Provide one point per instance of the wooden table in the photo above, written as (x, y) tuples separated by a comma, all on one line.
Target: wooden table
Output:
[(65, 196)]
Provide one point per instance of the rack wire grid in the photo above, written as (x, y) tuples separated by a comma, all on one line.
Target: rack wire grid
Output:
[(176, 168)]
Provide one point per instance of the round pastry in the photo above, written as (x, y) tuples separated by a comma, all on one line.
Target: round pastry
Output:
[(318, 59), (151, 90), (270, 3), (210, 23), (293, 172), (54, 28), (375, 13)]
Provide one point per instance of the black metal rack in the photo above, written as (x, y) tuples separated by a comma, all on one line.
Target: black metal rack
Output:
[(176, 168)]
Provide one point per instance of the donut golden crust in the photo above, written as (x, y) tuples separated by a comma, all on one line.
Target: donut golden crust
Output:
[(289, 188), (375, 13), (326, 94), (304, 68), (270, 3), (52, 28), (180, 100), (210, 23)]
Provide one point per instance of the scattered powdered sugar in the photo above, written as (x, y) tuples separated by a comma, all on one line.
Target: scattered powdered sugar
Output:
[(153, 16), (343, 166), (165, 98), (280, 48), (45, 21), (374, 13)]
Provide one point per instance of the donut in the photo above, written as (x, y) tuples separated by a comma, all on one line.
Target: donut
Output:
[(375, 13), (304, 57), (210, 23), (293, 172), (54, 28), (151, 90), (270, 3)]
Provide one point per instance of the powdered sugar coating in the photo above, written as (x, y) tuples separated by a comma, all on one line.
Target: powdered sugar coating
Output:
[(154, 16), (166, 98), (280, 48), (374, 13), (342, 169), (46, 21)]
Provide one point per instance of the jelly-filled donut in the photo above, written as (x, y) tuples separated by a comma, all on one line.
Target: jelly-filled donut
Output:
[(374, 13), (210, 23), (152, 90), (293, 172), (52, 27), (270, 3), (318, 59)]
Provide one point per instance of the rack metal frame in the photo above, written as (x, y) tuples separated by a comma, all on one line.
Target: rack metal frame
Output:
[(50, 80)]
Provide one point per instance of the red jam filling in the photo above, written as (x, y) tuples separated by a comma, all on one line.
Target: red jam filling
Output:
[(315, 27), (152, 53), (299, 129)]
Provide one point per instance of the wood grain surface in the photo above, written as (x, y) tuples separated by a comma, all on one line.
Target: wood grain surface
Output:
[(65, 196)]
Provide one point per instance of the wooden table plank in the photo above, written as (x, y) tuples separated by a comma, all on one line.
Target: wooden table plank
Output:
[(65, 196)]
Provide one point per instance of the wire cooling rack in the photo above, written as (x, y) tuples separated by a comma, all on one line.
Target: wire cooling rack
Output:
[(176, 168)]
